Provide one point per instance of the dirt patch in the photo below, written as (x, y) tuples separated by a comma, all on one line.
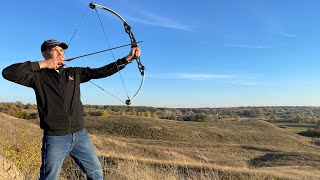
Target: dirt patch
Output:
[(8, 170)]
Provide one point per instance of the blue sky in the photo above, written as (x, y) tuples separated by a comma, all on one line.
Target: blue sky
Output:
[(203, 53)]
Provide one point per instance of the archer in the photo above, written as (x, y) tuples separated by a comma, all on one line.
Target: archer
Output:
[(57, 90)]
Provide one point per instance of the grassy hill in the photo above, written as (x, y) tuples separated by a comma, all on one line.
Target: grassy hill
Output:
[(146, 148), (20, 144)]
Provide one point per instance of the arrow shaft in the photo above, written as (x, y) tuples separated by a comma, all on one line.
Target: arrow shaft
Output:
[(70, 59)]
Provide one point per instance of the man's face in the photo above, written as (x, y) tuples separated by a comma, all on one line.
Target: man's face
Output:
[(56, 52)]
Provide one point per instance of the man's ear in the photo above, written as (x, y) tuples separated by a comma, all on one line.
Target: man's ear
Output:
[(44, 54)]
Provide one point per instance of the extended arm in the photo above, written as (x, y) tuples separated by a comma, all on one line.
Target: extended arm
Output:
[(86, 74), (95, 73)]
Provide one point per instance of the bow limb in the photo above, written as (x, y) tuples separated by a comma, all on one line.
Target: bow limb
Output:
[(128, 101)]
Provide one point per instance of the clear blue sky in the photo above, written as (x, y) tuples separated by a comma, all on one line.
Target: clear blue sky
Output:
[(205, 53)]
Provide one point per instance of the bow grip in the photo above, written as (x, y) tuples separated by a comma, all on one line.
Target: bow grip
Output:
[(134, 44)]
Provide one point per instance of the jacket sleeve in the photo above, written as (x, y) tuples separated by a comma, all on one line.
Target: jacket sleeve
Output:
[(86, 74), (21, 73)]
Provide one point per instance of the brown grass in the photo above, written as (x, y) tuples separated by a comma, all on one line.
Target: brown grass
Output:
[(20, 143), (145, 148), (8, 170)]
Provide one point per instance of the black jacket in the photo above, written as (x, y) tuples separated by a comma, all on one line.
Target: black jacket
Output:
[(58, 94)]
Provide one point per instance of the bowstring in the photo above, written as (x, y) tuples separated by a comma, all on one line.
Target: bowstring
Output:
[(108, 42), (74, 33)]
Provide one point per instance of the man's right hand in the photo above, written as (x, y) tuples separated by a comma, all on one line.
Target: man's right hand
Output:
[(52, 63)]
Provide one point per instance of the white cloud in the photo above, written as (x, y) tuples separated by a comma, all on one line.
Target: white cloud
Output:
[(247, 46), (289, 35), (158, 20), (244, 82), (241, 80), (203, 76), (191, 76)]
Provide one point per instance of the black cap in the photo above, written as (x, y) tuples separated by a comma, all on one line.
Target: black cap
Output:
[(52, 43)]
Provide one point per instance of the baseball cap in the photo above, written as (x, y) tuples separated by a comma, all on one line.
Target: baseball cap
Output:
[(52, 43)]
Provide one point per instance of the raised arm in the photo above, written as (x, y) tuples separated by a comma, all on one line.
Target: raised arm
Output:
[(21, 73)]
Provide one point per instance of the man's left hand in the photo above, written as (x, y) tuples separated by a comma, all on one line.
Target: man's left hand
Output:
[(134, 53)]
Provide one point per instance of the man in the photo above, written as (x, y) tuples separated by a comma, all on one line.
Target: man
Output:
[(60, 109)]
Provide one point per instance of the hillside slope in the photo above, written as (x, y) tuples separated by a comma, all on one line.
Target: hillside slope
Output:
[(19, 147), (246, 144), (229, 132), (235, 149)]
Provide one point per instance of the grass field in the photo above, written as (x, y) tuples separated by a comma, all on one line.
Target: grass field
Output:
[(295, 127), (146, 148)]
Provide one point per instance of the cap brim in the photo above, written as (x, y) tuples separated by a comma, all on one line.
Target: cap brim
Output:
[(63, 45)]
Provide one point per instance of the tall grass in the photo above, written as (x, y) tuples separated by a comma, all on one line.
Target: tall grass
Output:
[(117, 168)]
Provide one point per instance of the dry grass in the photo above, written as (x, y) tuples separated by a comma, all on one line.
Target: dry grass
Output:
[(294, 172), (132, 148), (8, 170), (115, 168), (20, 143)]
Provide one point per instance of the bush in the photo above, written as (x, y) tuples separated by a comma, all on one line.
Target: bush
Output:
[(99, 113), (200, 117), (311, 132)]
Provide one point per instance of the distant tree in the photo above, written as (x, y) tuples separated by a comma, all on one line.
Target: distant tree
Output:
[(105, 113), (22, 115), (166, 113), (247, 113), (273, 117), (28, 106), (123, 113), (200, 117), (19, 104), (98, 113), (147, 114), (108, 110), (300, 118), (155, 115), (33, 116), (85, 113), (133, 112), (142, 114), (259, 113), (13, 111)]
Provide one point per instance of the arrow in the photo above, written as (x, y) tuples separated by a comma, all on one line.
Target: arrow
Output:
[(70, 59)]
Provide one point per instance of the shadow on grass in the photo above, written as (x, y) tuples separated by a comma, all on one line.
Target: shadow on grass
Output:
[(286, 159), (257, 149)]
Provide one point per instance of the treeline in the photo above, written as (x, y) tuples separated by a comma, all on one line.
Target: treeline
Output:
[(20, 110), (29, 111), (143, 111), (96, 110), (299, 114)]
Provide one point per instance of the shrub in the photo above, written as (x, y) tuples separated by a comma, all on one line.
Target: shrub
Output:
[(311, 132)]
